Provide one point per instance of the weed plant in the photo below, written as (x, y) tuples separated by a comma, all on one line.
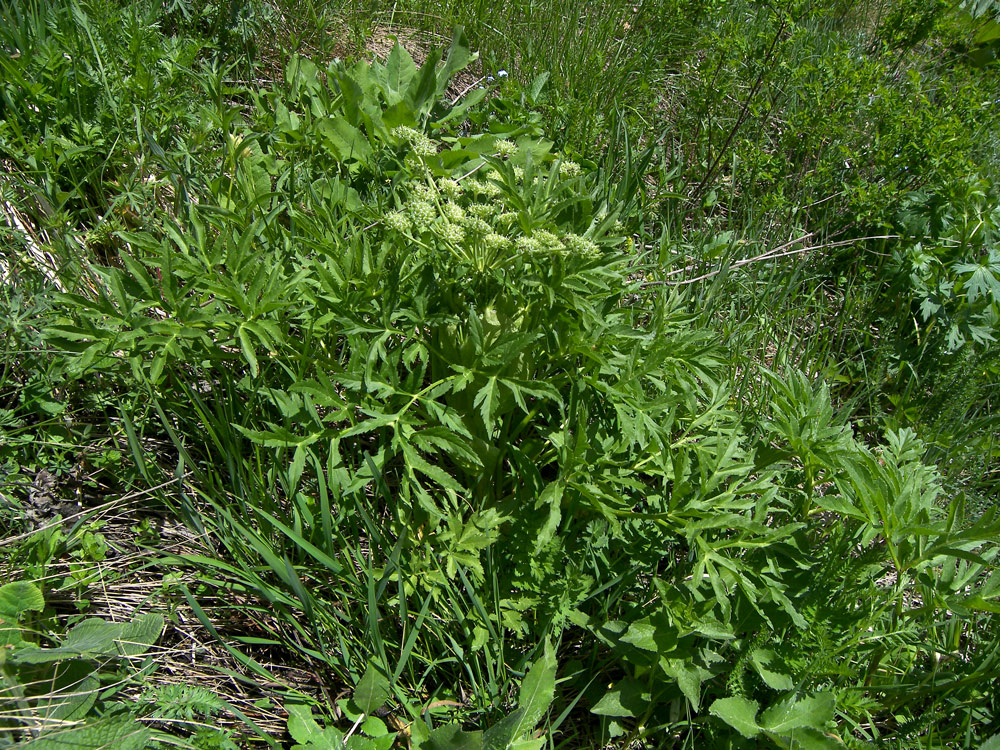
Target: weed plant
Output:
[(519, 419)]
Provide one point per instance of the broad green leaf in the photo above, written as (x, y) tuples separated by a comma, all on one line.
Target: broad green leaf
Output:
[(807, 738), (307, 733), (765, 662), (424, 85), (459, 58), (988, 32), (652, 633), (689, 677), (70, 692), (142, 632), (791, 713), (535, 89), (118, 732), (372, 690), (538, 687), (628, 698), (19, 597), (93, 635), (452, 737), (399, 70), (535, 743), (739, 713), (537, 692), (346, 141)]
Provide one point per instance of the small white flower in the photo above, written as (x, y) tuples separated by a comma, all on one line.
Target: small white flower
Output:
[(420, 143), (487, 188), (501, 74), (481, 210), (475, 225), (422, 192), (529, 245), (549, 240)]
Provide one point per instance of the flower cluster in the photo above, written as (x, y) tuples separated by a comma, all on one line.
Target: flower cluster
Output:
[(422, 145), (472, 213), (569, 169), (505, 149)]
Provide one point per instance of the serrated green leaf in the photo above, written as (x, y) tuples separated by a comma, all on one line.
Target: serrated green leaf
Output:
[(247, 347), (689, 677), (346, 141), (791, 713), (307, 732), (487, 401), (399, 71)]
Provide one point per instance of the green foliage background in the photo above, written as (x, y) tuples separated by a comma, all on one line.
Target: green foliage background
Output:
[(631, 388)]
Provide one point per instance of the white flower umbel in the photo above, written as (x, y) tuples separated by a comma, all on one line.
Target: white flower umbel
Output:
[(422, 145), (449, 232), (505, 148), (581, 246), (398, 221), (453, 213), (450, 188), (423, 214)]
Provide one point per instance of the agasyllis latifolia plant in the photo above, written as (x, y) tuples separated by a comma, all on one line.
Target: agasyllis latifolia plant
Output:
[(435, 415)]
